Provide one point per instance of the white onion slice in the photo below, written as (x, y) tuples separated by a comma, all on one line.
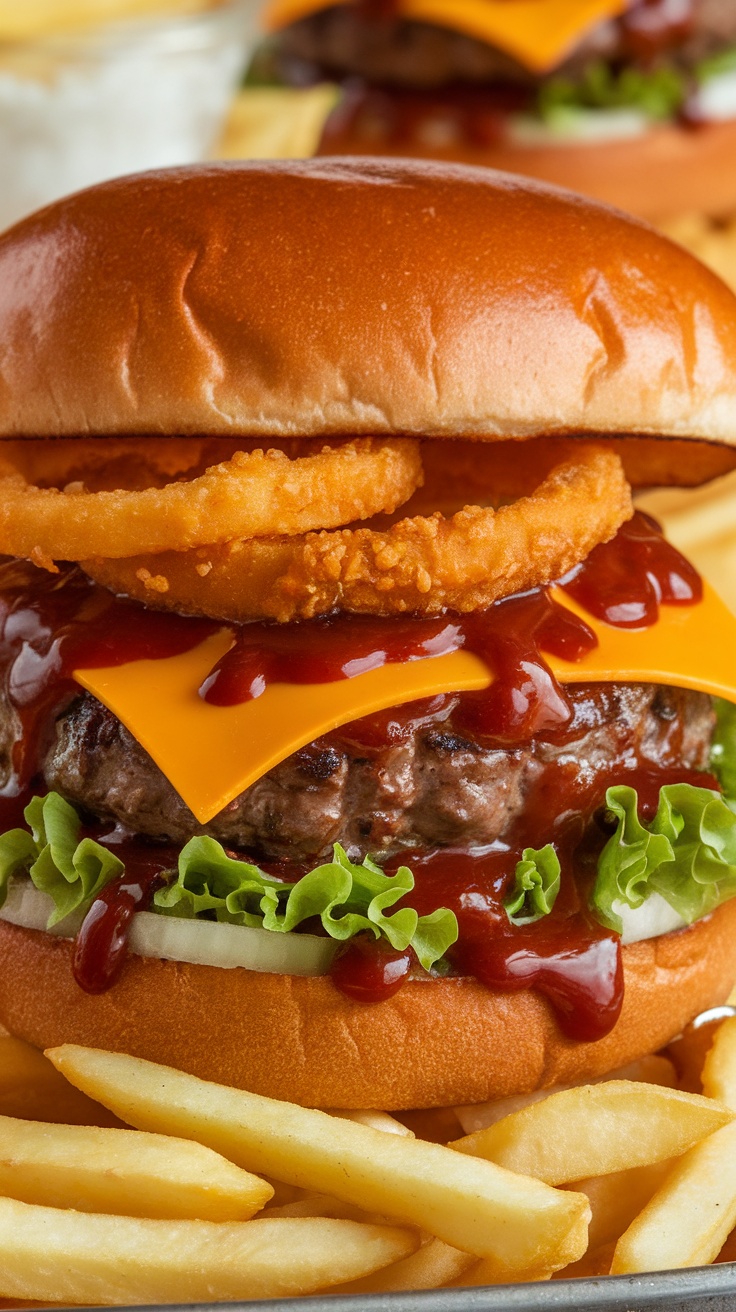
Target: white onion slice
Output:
[(716, 98), (27, 906), (200, 942), (577, 126), (210, 943), (652, 918)]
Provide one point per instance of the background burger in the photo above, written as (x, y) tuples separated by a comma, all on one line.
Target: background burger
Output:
[(369, 755), (630, 101)]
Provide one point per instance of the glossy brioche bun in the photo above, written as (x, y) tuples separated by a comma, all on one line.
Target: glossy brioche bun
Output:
[(659, 175), (435, 1043), (359, 296)]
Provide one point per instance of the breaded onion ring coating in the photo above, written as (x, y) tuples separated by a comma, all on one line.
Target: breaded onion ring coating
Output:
[(251, 494), (420, 565)]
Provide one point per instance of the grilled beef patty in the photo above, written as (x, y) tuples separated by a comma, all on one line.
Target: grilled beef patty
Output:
[(430, 786)]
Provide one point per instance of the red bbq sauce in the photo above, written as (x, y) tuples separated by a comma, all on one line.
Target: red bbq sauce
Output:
[(624, 581), (101, 945), (51, 625), (567, 955), (402, 116), (370, 970), (524, 699), (652, 27), (381, 10)]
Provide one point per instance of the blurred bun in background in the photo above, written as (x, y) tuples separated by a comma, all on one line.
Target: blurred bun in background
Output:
[(91, 89), (629, 101)]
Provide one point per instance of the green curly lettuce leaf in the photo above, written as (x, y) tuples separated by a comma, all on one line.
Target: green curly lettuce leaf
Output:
[(537, 883), (659, 92), (348, 898), (71, 870), (687, 853), (723, 62)]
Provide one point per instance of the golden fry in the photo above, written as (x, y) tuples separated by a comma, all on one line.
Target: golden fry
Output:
[(470, 1204), (719, 1070), (84, 1258), (478, 1116), (123, 1172), (433, 1265), (595, 1129), (691, 1215), (377, 1121), (617, 1198), (31, 1089)]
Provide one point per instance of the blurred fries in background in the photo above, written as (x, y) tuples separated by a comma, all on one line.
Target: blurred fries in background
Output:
[(276, 122)]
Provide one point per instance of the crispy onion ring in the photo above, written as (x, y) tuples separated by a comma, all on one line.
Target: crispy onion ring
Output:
[(250, 494), (420, 565)]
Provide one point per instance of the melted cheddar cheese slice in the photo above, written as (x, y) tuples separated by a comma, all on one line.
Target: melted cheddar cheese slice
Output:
[(211, 754), (538, 33)]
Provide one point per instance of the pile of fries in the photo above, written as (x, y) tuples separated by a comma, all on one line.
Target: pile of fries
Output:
[(218, 1194)]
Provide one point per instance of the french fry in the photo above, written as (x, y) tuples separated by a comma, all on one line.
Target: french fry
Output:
[(690, 1049), (284, 1193), (617, 1198), (433, 1265), (124, 1172), (701, 1186), (323, 1205), (690, 1217), (478, 1207), (719, 1070), (486, 1273), (377, 1121), (30, 1088), (118, 1260), (478, 1116), (277, 122), (596, 1129)]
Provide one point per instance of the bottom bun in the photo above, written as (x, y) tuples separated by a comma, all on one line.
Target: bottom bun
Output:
[(665, 172), (435, 1043)]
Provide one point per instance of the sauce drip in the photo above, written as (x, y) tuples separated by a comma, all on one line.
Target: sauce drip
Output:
[(567, 956), (623, 582), (476, 116), (652, 27), (101, 945), (52, 624), (524, 699), (370, 970)]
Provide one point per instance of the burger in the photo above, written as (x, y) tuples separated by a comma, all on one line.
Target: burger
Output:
[(362, 745), (630, 101)]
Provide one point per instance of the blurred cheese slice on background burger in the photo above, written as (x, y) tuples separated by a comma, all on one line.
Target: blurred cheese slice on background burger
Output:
[(360, 745), (630, 101)]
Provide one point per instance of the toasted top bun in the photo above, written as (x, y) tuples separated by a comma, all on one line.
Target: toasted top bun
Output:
[(357, 296)]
